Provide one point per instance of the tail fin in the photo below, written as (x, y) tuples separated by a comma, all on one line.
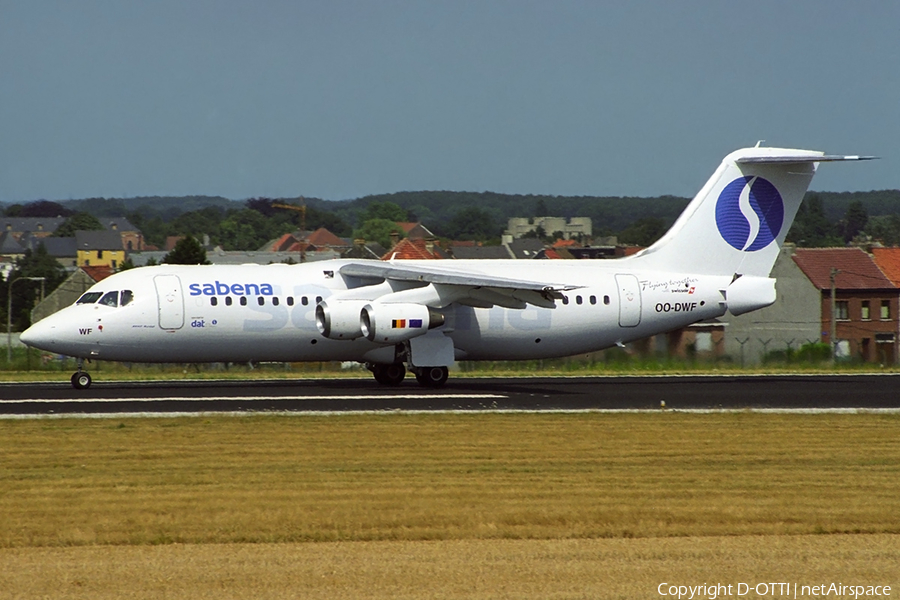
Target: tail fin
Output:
[(738, 221)]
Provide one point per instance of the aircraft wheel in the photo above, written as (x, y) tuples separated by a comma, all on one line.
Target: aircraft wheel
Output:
[(81, 380), (391, 374), (432, 376)]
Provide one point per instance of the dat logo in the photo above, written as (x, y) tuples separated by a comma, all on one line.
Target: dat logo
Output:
[(749, 213)]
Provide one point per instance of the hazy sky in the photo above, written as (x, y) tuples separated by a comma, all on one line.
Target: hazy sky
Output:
[(340, 99)]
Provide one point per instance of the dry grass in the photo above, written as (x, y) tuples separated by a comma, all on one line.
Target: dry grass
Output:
[(421, 477), (470, 569), (526, 504)]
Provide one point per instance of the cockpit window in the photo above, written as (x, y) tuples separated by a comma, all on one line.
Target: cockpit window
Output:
[(127, 297), (110, 299), (89, 298)]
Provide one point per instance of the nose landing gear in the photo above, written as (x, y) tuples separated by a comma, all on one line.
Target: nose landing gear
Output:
[(81, 380)]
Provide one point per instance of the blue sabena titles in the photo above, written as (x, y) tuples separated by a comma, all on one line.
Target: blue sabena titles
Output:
[(749, 213), (223, 289)]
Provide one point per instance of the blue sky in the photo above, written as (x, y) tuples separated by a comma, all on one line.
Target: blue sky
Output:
[(340, 99)]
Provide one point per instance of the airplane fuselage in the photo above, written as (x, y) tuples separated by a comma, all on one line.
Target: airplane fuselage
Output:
[(267, 313)]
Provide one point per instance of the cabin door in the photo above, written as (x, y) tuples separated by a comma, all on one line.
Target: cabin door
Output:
[(171, 301), (629, 300)]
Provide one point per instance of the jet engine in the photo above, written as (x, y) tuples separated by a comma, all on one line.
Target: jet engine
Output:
[(393, 323), (340, 319)]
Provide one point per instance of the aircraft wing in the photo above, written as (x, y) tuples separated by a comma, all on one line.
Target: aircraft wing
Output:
[(469, 288)]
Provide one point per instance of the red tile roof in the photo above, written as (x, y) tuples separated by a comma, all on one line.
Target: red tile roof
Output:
[(282, 243), (407, 249), (300, 247), (322, 237), (857, 269), (566, 244), (888, 260), (98, 273), (406, 226)]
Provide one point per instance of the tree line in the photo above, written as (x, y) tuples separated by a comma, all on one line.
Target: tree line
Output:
[(824, 218)]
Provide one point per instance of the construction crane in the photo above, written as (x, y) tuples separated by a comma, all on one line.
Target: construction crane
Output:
[(302, 210)]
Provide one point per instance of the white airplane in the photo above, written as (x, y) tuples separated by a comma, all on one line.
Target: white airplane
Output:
[(425, 314)]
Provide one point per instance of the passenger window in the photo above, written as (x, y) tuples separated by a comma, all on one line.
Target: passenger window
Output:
[(593, 299), (318, 299), (110, 299), (260, 300), (243, 300), (290, 300), (565, 299), (577, 299), (214, 301), (227, 300), (305, 301), (126, 297), (89, 298), (275, 301), (605, 299)]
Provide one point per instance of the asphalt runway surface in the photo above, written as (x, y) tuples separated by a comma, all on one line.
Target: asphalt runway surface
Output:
[(789, 392)]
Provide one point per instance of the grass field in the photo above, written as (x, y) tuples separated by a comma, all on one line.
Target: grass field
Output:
[(495, 505)]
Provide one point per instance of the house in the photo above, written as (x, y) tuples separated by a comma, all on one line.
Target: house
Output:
[(866, 302), (131, 236), (70, 290), (525, 247), (307, 241), (407, 249), (416, 231), (38, 226), (364, 250), (63, 249), (99, 248)]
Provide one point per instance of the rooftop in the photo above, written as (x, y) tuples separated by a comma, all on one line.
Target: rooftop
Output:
[(857, 270)]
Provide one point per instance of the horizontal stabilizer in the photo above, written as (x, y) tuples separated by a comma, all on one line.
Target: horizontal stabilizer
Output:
[(787, 159)]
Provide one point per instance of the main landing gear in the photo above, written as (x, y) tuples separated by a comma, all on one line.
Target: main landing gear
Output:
[(432, 376), (81, 380), (394, 373)]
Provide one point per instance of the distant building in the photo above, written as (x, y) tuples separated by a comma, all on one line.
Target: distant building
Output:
[(63, 249), (304, 241), (526, 248), (574, 227), (415, 231), (866, 302), (237, 257), (39, 226), (131, 236), (474, 251), (99, 248), (418, 249), (23, 228)]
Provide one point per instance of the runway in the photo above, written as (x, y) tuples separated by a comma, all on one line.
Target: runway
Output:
[(772, 392)]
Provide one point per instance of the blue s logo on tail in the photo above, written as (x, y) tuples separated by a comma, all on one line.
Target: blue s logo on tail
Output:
[(749, 213)]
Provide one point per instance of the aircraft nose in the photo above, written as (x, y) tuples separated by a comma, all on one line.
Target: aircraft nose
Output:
[(36, 335)]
